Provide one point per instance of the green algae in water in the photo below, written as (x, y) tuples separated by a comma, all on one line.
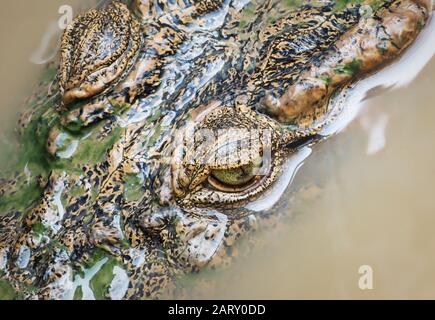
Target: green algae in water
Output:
[(7, 292)]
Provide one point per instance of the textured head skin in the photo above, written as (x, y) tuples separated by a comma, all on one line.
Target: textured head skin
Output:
[(188, 118), (97, 50)]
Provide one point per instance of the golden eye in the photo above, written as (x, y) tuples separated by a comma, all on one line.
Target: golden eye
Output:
[(236, 179)]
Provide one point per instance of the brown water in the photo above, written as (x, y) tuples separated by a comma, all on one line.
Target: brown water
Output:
[(376, 210), (23, 25)]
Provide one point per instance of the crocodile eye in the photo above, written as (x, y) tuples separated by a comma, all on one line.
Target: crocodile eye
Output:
[(236, 179), (233, 161), (98, 49)]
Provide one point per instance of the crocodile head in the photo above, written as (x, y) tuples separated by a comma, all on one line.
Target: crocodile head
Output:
[(168, 124)]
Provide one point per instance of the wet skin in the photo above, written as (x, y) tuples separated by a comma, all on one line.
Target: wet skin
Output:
[(166, 120)]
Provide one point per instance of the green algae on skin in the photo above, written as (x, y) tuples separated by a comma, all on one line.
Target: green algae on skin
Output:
[(341, 4), (271, 19), (32, 141), (94, 276), (33, 156), (119, 108), (88, 152), (28, 153), (243, 24), (327, 80), (38, 228), (100, 283), (76, 191), (7, 292), (421, 25), (97, 255), (78, 295), (156, 135), (249, 11), (293, 3), (39, 163), (91, 153), (350, 68), (374, 4), (23, 198), (155, 116), (248, 14), (133, 187), (49, 75)]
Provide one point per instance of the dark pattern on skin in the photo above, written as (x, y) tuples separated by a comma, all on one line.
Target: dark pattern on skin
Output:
[(97, 49), (186, 73), (300, 43)]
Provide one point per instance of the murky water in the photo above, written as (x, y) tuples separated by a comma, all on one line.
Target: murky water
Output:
[(367, 199), (25, 27)]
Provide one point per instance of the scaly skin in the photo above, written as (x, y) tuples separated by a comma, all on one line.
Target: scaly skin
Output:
[(123, 175)]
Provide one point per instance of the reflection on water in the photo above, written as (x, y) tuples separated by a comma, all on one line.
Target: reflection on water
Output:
[(367, 194)]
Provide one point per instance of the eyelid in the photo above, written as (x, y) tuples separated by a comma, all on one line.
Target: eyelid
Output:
[(304, 141), (220, 186)]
